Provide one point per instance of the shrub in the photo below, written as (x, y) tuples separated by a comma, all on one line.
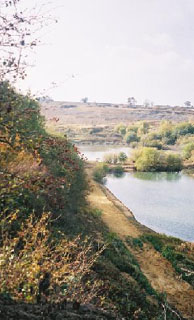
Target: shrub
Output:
[(143, 128), (32, 265), (168, 133), (133, 128), (131, 136), (100, 172), (173, 162), (187, 150), (111, 158), (122, 157), (152, 140), (184, 128), (121, 128), (118, 171), (148, 160), (151, 159)]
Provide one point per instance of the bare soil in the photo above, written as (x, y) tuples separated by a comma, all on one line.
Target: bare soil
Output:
[(155, 267)]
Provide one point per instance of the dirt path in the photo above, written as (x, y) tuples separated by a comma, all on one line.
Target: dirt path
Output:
[(156, 268)]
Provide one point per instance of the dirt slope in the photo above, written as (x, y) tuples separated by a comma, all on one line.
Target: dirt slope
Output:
[(156, 268)]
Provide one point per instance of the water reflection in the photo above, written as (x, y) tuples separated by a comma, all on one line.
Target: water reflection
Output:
[(162, 201), (98, 152), (157, 176)]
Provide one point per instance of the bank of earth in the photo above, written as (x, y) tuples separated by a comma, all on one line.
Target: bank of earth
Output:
[(158, 270)]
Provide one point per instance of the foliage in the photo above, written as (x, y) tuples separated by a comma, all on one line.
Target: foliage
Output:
[(173, 162), (133, 127), (188, 150), (100, 172), (131, 136), (96, 212), (121, 128), (152, 140), (21, 125), (121, 257), (34, 266), (118, 171), (111, 158), (151, 159), (184, 128), (167, 132), (57, 182), (143, 128), (38, 174), (147, 159), (179, 253), (122, 157)]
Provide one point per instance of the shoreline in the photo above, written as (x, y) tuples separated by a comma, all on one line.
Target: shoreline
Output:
[(127, 211)]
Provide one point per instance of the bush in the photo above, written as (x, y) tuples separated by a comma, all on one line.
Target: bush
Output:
[(133, 128), (34, 267), (151, 159), (152, 140), (131, 136), (118, 171), (184, 128), (148, 159), (121, 129), (143, 128), (173, 162), (187, 150), (100, 172), (167, 132), (122, 157)]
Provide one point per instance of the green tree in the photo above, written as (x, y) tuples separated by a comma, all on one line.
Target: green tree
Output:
[(131, 136), (121, 128), (143, 128), (122, 157), (148, 160)]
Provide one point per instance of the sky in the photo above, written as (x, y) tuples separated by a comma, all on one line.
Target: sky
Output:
[(109, 50)]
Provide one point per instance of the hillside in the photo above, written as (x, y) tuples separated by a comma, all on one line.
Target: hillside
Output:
[(68, 248), (94, 123)]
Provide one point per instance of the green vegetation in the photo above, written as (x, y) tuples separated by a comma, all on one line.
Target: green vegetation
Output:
[(118, 171), (131, 136), (179, 253), (43, 213), (160, 137), (122, 157), (188, 150), (151, 159), (100, 172), (42, 184), (113, 158)]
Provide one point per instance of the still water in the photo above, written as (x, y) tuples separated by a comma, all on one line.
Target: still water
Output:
[(162, 201), (97, 152)]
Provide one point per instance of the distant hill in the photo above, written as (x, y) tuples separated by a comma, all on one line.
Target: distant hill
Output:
[(92, 114)]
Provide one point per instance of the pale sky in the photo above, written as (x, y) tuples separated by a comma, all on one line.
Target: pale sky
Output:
[(109, 50)]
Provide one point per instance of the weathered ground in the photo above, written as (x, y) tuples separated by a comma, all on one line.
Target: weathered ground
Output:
[(155, 267)]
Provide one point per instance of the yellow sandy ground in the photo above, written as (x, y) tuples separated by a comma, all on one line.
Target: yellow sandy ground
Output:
[(156, 268)]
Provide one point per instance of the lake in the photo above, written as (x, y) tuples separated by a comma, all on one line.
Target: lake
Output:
[(162, 201), (97, 152)]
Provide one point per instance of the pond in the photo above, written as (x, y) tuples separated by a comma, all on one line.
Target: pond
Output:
[(162, 201), (97, 152)]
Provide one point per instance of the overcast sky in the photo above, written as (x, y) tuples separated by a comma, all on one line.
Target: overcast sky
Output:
[(108, 50)]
